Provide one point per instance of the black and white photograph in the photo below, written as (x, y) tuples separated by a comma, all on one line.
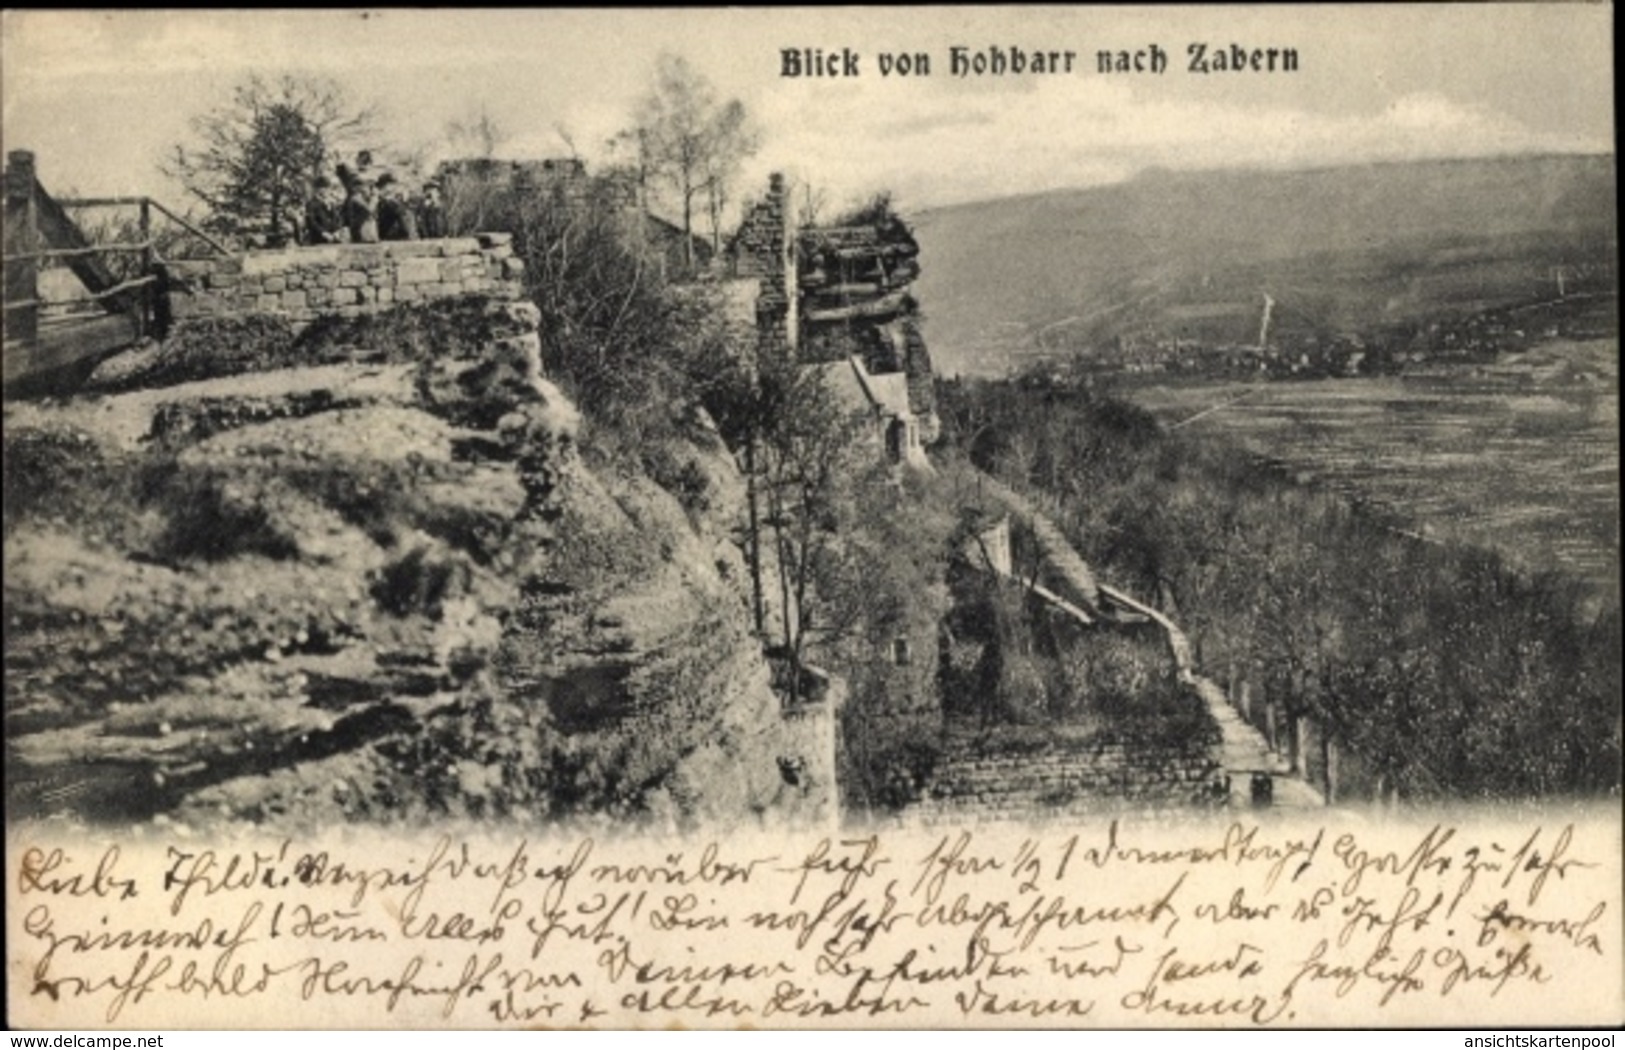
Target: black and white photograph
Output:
[(1089, 517)]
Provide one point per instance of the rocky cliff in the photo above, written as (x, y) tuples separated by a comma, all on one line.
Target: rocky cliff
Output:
[(365, 572)]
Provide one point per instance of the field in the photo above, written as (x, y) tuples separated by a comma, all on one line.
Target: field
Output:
[(1521, 456)]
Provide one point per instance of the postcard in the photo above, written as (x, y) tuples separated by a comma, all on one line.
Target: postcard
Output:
[(1018, 517)]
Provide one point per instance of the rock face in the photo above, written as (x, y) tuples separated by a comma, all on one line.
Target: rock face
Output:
[(364, 573)]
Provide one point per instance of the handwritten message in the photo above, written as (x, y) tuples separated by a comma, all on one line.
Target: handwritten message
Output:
[(1237, 925)]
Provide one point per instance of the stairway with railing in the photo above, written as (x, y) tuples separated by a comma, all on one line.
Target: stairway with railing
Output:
[(1242, 753)]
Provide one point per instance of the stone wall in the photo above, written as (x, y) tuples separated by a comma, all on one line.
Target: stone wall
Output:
[(761, 250), (922, 390), (344, 280), (1070, 778)]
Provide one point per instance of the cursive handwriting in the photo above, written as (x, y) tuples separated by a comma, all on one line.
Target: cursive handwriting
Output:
[(1241, 924)]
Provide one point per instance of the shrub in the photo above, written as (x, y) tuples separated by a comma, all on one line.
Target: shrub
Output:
[(612, 336), (210, 347), (46, 468)]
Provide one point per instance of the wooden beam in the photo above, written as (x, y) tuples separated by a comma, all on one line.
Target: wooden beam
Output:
[(100, 202), (68, 253), (194, 231), (60, 231), (21, 238), (881, 307), (841, 291)]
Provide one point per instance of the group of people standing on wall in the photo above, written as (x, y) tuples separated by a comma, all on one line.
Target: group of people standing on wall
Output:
[(364, 206)]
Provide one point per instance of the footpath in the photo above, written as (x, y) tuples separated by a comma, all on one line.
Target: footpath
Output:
[(1242, 751)]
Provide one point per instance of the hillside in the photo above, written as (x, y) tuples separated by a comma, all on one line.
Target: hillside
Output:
[(1190, 254), (368, 574)]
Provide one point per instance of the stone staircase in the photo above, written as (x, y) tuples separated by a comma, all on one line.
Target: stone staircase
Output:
[(1066, 778), (1065, 568), (1242, 751)]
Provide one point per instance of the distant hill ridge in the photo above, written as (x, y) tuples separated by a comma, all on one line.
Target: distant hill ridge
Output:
[(996, 272)]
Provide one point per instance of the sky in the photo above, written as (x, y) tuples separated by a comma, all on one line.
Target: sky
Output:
[(102, 96)]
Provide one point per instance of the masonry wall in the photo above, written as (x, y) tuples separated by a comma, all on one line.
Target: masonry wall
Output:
[(761, 250), (1073, 779), (345, 280)]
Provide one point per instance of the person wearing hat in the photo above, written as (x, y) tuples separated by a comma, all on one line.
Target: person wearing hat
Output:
[(323, 224), (431, 212), (395, 220), (361, 210)]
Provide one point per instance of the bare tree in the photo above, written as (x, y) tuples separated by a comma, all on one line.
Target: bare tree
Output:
[(254, 156), (810, 209), (690, 142), (808, 445), (733, 139), (477, 132)]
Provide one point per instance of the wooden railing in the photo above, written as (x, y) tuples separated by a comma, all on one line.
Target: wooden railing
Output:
[(38, 231), (147, 205)]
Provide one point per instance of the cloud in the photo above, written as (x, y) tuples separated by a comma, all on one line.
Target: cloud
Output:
[(942, 146)]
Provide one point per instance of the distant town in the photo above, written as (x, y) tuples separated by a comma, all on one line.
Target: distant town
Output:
[(1478, 337)]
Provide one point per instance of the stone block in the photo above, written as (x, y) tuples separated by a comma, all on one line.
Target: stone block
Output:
[(367, 295), (275, 285), (411, 249), (444, 290), (345, 296), (513, 269), (408, 293), (418, 271), (353, 279), (319, 297), (327, 279), (268, 304), (294, 300), (218, 279), (192, 272), (182, 307), (317, 257), (258, 264), (386, 295), (494, 240), (451, 270), (457, 246), (361, 256)]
